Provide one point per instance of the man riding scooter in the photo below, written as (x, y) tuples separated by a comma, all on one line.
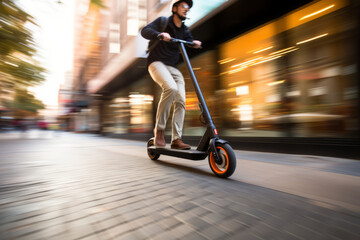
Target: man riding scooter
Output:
[(162, 61)]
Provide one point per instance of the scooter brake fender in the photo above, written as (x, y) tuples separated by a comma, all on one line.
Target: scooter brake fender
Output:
[(213, 142), (221, 141), (213, 149)]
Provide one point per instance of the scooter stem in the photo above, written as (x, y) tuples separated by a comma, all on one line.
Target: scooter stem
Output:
[(203, 107)]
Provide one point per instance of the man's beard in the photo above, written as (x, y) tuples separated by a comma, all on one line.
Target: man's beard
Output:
[(181, 17)]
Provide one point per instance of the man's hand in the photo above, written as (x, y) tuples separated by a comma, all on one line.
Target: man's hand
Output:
[(165, 36), (197, 44)]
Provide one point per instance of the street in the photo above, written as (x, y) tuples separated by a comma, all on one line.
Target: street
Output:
[(60, 185)]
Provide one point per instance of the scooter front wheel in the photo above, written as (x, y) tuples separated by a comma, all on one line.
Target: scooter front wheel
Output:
[(227, 164), (152, 155)]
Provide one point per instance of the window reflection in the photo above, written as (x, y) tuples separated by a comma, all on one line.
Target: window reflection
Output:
[(130, 111), (291, 77)]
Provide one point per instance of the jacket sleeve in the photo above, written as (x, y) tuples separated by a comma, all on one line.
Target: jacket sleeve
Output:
[(188, 36), (151, 31)]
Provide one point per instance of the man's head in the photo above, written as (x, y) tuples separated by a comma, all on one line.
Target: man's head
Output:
[(181, 8)]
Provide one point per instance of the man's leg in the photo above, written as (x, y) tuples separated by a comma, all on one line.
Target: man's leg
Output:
[(161, 75), (179, 104), (179, 110)]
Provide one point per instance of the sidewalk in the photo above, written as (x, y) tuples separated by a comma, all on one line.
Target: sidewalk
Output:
[(326, 180), (81, 186)]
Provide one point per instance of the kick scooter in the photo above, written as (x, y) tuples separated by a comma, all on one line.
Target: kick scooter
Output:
[(222, 158)]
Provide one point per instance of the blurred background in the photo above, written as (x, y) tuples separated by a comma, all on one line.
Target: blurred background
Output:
[(277, 76)]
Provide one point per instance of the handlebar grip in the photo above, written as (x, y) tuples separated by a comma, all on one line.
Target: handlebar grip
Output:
[(160, 37)]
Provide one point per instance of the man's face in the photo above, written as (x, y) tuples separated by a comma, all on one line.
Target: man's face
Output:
[(182, 9)]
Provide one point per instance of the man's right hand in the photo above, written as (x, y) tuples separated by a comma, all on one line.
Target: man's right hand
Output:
[(164, 36)]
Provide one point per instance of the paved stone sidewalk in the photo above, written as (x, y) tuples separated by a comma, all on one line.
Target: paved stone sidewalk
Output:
[(81, 187)]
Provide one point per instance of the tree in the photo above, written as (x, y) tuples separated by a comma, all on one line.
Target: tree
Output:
[(17, 48), (26, 101), (98, 3)]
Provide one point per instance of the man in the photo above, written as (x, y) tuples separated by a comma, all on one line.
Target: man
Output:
[(162, 60)]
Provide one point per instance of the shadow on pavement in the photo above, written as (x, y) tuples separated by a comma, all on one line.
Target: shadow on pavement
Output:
[(190, 169)]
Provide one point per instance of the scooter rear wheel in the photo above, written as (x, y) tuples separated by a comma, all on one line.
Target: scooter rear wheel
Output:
[(151, 154), (227, 165)]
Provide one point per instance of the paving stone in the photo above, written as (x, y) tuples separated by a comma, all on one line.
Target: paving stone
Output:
[(169, 211), (231, 226), (151, 229), (45, 233), (213, 218), (341, 234), (169, 222), (183, 216), (89, 237), (214, 232), (195, 236), (164, 236), (129, 216), (118, 230), (198, 223), (302, 232), (264, 230), (199, 211), (143, 221), (133, 235), (245, 235), (180, 231), (106, 224), (184, 206), (79, 231)]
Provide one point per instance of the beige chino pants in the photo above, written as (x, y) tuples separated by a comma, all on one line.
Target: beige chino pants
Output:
[(172, 83)]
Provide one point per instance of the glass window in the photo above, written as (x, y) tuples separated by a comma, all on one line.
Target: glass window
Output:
[(130, 110), (137, 16), (294, 76)]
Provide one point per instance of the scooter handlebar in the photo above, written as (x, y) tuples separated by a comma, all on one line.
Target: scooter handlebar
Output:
[(182, 41), (176, 40)]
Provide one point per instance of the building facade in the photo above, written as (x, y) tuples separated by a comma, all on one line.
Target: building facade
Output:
[(276, 77)]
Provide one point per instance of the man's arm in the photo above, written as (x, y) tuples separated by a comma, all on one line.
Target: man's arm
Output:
[(190, 38), (150, 31)]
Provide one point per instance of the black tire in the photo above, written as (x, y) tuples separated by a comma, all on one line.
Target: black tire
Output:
[(151, 154), (228, 165)]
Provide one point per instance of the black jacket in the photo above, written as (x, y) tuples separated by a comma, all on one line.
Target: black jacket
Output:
[(166, 52)]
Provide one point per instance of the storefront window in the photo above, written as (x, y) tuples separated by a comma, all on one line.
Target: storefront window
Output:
[(116, 114), (293, 77), (130, 110), (140, 112)]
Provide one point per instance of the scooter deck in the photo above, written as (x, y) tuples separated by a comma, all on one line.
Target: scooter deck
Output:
[(188, 154)]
